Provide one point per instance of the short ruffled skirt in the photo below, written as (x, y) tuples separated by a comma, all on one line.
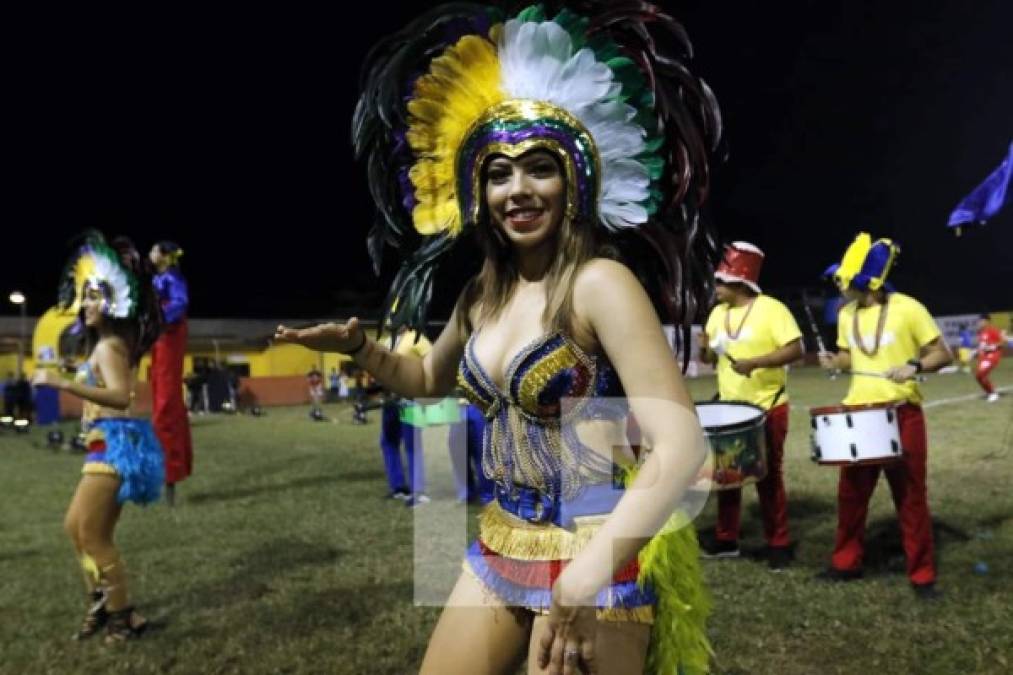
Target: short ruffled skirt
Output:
[(127, 448)]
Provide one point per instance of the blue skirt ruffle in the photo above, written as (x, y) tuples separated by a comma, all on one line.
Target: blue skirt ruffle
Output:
[(133, 450)]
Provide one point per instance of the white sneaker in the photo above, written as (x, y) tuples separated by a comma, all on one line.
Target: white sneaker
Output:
[(993, 397)]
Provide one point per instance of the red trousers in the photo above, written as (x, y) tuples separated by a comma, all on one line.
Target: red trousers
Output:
[(910, 496), (168, 412), (770, 490), (985, 366)]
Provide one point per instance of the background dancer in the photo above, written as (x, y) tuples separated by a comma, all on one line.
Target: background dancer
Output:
[(119, 317)]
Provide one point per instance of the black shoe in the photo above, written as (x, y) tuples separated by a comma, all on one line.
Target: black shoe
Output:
[(95, 618), (927, 591), (711, 547), (833, 574), (124, 625), (779, 557)]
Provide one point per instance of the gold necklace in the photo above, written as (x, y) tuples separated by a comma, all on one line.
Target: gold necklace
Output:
[(728, 321), (880, 325)]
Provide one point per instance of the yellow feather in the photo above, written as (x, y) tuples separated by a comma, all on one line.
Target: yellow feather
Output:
[(854, 258), (462, 83)]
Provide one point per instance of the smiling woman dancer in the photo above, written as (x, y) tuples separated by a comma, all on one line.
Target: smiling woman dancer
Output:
[(556, 138), (119, 319)]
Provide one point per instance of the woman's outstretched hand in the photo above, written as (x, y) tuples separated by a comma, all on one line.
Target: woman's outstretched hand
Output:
[(324, 337), (568, 645)]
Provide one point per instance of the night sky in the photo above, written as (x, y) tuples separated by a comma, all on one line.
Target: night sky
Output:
[(229, 132)]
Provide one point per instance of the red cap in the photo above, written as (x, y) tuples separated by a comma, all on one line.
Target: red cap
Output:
[(741, 264)]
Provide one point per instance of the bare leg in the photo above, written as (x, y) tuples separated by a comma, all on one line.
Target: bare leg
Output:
[(71, 525), (620, 647), (476, 634), (96, 519)]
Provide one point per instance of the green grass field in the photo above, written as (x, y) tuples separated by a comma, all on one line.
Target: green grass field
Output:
[(282, 557)]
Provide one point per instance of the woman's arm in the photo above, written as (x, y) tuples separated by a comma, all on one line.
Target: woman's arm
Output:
[(405, 374), (110, 357), (610, 300)]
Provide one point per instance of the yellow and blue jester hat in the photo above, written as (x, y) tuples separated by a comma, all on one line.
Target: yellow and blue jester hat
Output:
[(865, 265), (602, 85), (95, 265)]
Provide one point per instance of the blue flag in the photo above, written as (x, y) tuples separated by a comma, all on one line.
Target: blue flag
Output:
[(985, 200)]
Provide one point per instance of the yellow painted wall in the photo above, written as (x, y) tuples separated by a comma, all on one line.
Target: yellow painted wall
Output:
[(8, 364)]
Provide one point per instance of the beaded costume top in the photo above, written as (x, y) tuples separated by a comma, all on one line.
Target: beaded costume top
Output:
[(530, 439), (91, 411)]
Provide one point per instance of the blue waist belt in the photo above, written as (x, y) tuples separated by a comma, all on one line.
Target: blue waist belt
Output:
[(537, 507)]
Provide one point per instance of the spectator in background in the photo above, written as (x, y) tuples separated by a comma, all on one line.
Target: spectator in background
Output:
[(23, 398), (315, 379), (334, 385), (465, 441), (10, 394)]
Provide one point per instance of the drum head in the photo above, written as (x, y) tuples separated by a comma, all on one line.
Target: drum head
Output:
[(722, 415)]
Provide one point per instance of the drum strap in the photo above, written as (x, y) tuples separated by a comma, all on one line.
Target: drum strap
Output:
[(777, 395)]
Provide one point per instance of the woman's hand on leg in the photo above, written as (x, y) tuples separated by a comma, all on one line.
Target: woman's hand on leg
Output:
[(567, 646)]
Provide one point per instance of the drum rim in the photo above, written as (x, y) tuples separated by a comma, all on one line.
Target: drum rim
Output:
[(737, 426), (861, 407)]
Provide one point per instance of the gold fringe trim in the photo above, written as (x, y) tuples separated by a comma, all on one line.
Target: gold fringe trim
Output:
[(512, 537), (94, 435), (643, 614)]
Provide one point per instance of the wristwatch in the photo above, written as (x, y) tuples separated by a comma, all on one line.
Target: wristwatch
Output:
[(917, 364)]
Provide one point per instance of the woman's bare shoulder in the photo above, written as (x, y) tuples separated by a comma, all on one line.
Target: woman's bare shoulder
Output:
[(112, 344), (604, 276)]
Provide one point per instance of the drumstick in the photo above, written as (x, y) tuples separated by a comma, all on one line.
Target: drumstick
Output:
[(866, 373), (812, 325), (816, 333)]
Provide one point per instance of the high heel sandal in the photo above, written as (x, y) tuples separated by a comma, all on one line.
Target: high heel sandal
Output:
[(95, 618), (125, 624)]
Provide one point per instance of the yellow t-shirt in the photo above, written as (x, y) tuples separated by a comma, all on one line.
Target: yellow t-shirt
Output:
[(768, 327), (909, 327)]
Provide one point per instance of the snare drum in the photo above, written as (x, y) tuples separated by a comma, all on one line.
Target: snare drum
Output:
[(855, 434), (736, 433)]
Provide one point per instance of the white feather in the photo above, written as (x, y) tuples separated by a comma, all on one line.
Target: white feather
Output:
[(537, 62)]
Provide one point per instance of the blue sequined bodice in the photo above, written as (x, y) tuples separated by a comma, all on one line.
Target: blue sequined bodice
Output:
[(530, 438)]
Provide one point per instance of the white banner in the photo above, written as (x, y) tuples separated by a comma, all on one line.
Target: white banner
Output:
[(953, 324)]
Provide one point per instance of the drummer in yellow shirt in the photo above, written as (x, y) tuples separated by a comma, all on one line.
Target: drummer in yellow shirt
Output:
[(885, 339), (751, 337)]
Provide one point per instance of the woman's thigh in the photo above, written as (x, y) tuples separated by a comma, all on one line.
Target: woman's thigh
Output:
[(98, 509), (476, 634), (620, 647)]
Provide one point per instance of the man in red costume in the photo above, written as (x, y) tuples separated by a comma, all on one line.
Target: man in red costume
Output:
[(168, 410)]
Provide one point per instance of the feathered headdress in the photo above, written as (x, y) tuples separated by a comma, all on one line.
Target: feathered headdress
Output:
[(95, 265), (865, 265), (600, 84)]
